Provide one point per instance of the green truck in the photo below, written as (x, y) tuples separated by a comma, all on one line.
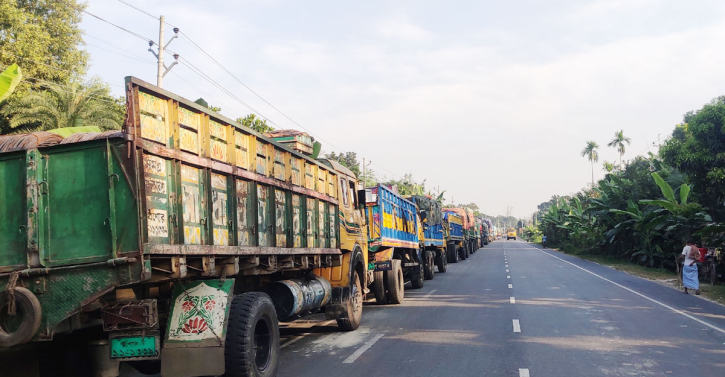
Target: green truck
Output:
[(175, 245)]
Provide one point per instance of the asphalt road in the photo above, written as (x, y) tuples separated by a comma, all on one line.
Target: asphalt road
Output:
[(516, 310)]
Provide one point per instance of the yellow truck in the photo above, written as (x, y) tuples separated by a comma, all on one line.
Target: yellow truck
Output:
[(511, 234)]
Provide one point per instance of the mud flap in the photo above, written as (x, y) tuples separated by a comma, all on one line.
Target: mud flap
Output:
[(194, 340), (337, 308)]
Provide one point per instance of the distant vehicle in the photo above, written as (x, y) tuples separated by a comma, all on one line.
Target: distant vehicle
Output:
[(511, 234)]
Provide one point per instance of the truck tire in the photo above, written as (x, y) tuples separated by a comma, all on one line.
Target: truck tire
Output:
[(429, 264), (394, 283), (463, 251), (22, 327), (453, 255), (417, 276), (354, 306), (252, 344), (378, 288), (443, 262)]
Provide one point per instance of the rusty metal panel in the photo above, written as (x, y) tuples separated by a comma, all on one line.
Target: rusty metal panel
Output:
[(321, 224), (241, 143), (192, 196), (158, 184), (220, 211), (245, 237), (312, 222), (263, 207), (261, 158), (154, 115), (279, 165), (296, 221), (218, 141), (321, 181), (280, 215), (189, 124), (310, 173), (297, 170)]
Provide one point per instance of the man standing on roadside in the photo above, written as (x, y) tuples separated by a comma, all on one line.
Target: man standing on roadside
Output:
[(689, 270)]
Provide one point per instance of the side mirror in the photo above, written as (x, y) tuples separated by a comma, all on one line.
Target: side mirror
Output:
[(365, 197)]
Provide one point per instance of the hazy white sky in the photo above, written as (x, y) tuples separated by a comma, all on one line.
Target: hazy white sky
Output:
[(491, 100)]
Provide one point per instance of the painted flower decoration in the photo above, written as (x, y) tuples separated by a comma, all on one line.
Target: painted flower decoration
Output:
[(187, 305), (209, 305), (195, 325)]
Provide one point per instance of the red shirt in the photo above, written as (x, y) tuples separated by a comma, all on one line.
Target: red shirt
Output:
[(703, 252)]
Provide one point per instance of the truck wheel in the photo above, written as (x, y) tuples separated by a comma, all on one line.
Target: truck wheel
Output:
[(379, 288), (443, 262), (21, 327), (453, 255), (417, 276), (252, 346), (352, 319), (429, 264), (394, 283), (463, 251)]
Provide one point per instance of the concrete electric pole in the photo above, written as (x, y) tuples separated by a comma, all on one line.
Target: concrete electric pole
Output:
[(161, 69)]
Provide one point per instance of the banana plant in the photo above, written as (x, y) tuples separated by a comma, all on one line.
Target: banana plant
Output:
[(9, 79)]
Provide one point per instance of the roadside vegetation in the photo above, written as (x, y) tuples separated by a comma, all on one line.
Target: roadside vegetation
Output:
[(644, 210)]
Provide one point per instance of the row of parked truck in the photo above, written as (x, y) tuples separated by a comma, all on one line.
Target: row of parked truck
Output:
[(177, 244)]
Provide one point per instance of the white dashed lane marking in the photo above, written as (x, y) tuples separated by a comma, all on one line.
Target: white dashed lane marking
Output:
[(517, 325), (524, 372), (429, 293), (511, 285), (508, 276), (351, 359), (512, 300)]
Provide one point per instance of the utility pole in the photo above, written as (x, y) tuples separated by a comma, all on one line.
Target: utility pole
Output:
[(364, 171), (161, 69)]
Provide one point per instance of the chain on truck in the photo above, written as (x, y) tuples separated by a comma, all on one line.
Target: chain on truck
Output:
[(175, 245)]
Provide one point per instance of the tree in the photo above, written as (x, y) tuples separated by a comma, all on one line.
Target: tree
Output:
[(590, 152), (608, 166), (407, 185), (697, 149), (65, 106), (257, 124), (44, 37), (618, 142), (346, 159)]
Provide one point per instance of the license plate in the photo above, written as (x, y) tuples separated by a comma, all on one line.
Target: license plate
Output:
[(383, 266), (134, 347)]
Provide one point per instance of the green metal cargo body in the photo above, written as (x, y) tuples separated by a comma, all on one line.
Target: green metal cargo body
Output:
[(116, 235)]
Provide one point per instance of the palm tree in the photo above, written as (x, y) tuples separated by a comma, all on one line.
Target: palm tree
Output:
[(65, 106), (608, 166), (618, 142), (590, 152)]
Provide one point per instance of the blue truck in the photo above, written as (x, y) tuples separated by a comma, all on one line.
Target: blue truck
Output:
[(433, 243), (394, 234), (454, 237)]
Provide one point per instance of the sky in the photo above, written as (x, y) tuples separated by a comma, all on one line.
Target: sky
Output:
[(492, 101)]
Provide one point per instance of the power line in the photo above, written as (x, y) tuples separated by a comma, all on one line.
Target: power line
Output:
[(120, 27), (50, 66), (113, 45), (219, 86), (141, 10), (200, 91), (118, 53), (206, 77)]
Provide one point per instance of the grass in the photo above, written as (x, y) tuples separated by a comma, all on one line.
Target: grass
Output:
[(714, 293)]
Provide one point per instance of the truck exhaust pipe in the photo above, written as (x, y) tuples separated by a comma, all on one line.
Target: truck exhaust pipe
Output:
[(295, 296)]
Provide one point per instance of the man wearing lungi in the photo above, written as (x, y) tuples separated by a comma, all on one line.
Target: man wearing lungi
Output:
[(689, 269)]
